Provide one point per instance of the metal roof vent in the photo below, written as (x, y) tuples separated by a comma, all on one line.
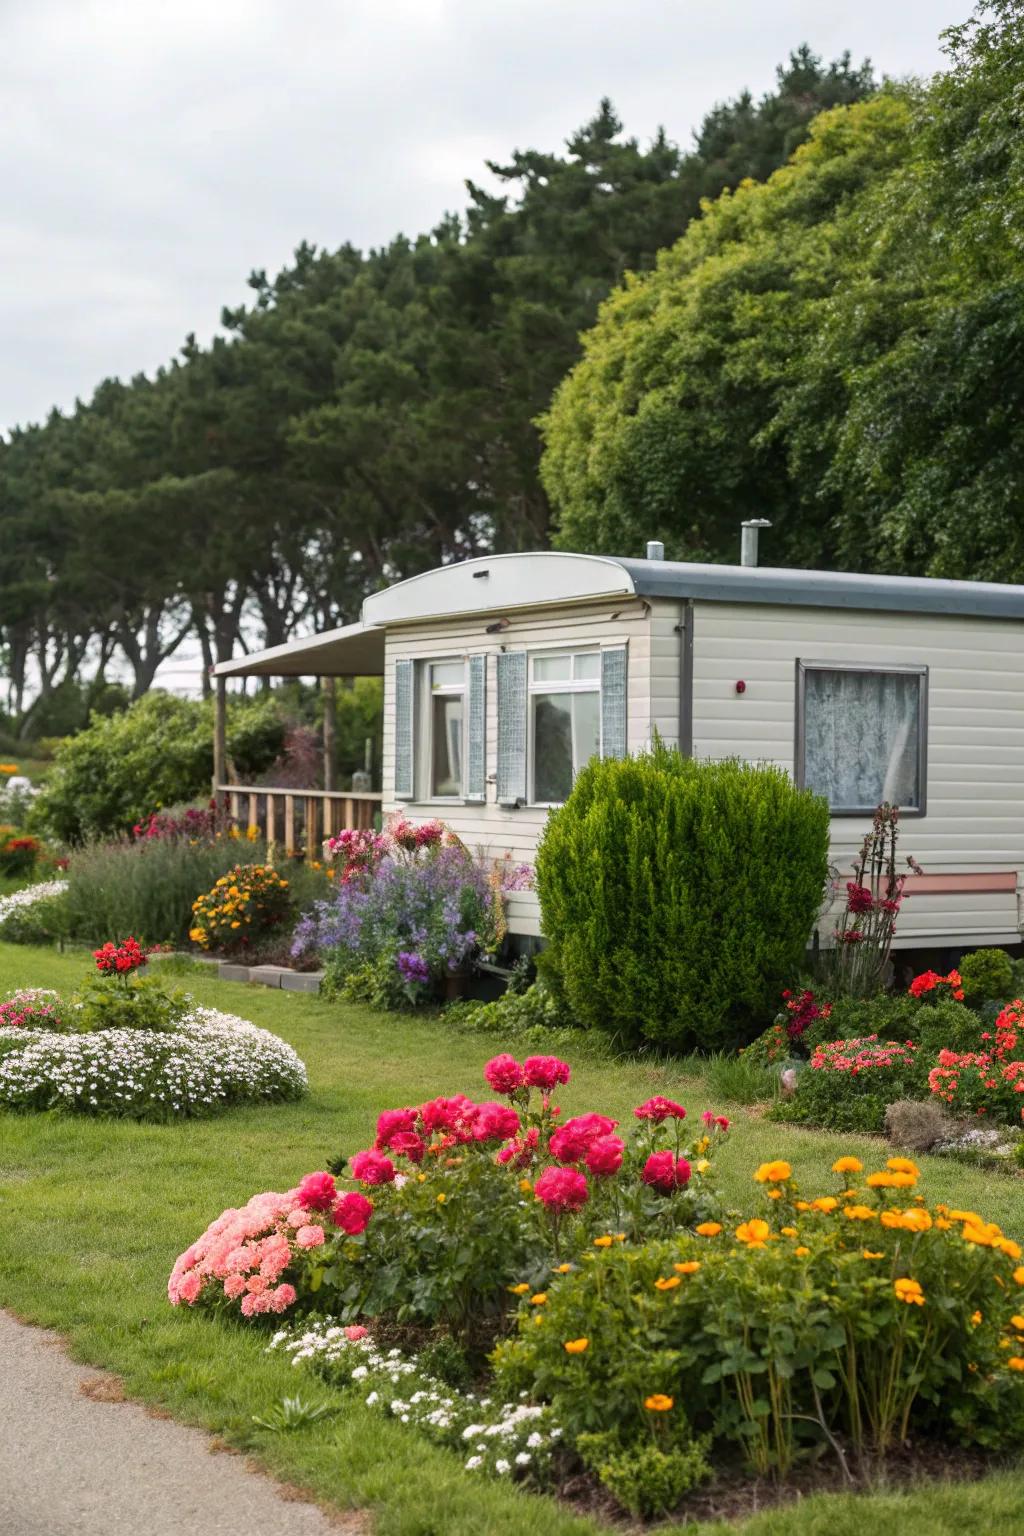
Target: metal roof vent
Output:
[(655, 549), (748, 538)]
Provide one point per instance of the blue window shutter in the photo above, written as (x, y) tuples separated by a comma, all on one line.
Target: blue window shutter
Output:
[(511, 727), (476, 739), (613, 702), (405, 698)]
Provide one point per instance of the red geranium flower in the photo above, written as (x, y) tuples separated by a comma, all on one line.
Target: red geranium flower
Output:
[(666, 1172), (562, 1189), (545, 1072), (659, 1109), (504, 1074), (495, 1122), (372, 1168), (317, 1192), (352, 1214), (393, 1120), (604, 1156), (570, 1142)]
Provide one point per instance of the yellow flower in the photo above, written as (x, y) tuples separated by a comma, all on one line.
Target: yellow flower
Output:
[(539, 1300), (712, 1229), (520, 1289), (753, 1233), (825, 1203), (847, 1165), (903, 1165), (789, 1231), (603, 1242), (802, 1205), (702, 1165), (421, 1178), (1016, 1363), (975, 1318), (774, 1173), (689, 1268), (1018, 1273), (775, 1194), (576, 1346), (1008, 1246), (525, 1186), (670, 1284), (236, 924), (1018, 1322), (859, 1213), (801, 1253), (867, 1254), (620, 1237), (916, 1220), (909, 1291), (441, 1199), (658, 1403)]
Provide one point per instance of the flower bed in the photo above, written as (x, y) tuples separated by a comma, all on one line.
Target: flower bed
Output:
[(25, 915), (204, 1062)]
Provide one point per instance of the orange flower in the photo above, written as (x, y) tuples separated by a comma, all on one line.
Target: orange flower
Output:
[(689, 1268), (1018, 1274), (564, 1269), (1018, 1322), (916, 1220), (519, 1290), (975, 1318), (774, 1173), (867, 1254), (942, 1224), (1008, 1246), (825, 1203), (801, 1253), (892, 1218), (909, 1291), (576, 1346), (802, 1205), (668, 1284), (525, 1187), (859, 1213), (754, 1233), (603, 1242), (847, 1165), (775, 1194), (903, 1165), (658, 1403), (1016, 1363), (789, 1231), (710, 1229), (539, 1300)]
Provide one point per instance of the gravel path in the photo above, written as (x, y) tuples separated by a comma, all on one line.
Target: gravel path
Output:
[(72, 1464)]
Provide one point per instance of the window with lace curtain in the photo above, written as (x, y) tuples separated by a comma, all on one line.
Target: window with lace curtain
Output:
[(862, 735)]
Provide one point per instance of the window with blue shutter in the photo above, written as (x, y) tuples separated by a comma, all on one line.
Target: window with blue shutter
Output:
[(405, 699), (476, 735), (511, 727), (613, 702)]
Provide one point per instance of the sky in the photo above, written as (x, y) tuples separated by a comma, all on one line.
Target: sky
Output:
[(153, 154)]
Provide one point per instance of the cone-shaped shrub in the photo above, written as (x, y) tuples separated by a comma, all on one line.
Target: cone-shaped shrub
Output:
[(678, 896)]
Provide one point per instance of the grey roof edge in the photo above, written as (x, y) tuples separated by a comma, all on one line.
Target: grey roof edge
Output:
[(824, 589)]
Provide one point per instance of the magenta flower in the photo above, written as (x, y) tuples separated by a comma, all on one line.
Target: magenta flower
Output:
[(372, 1168), (317, 1192), (504, 1075), (562, 1189)]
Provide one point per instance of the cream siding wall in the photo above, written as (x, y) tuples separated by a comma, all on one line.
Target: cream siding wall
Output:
[(975, 807), (492, 829)]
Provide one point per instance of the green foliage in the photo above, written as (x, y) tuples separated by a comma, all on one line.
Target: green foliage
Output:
[(113, 1002), (293, 1413), (742, 1078), (932, 1022), (145, 888), (678, 895), (534, 1016), (837, 347), (986, 976), (850, 1082), (645, 1479)]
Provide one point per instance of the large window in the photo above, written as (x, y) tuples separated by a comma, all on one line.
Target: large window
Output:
[(565, 721), (861, 735), (446, 711)]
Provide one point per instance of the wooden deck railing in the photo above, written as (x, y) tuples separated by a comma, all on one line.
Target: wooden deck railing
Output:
[(299, 819)]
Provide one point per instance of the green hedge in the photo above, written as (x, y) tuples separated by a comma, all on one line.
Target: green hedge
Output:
[(678, 896)]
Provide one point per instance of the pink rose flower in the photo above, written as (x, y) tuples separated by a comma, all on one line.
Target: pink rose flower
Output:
[(604, 1156), (234, 1286), (504, 1075), (318, 1191), (545, 1072), (665, 1172), (570, 1142), (407, 1144), (562, 1189), (389, 1122), (282, 1298), (659, 1109), (355, 1331), (352, 1213), (495, 1122), (372, 1168)]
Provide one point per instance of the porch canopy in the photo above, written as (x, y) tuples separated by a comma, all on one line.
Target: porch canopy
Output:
[(355, 650)]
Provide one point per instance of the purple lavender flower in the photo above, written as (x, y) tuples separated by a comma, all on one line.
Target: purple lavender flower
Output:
[(412, 967)]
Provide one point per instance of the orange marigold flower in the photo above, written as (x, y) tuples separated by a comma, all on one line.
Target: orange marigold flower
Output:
[(802, 1205), (1008, 1246), (519, 1290), (903, 1165), (916, 1220), (859, 1213), (975, 1318), (603, 1242), (880, 1181), (539, 1300), (689, 1268), (1018, 1274), (909, 1291), (709, 1228), (892, 1218), (564, 1269), (825, 1203), (867, 1254), (658, 1403), (775, 1194), (789, 1231), (801, 1253), (667, 1284), (754, 1233), (525, 1187), (774, 1173), (847, 1165), (1018, 1322), (942, 1224), (1016, 1363), (576, 1346)]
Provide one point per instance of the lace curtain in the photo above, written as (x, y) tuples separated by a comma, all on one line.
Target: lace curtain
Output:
[(861, 737)]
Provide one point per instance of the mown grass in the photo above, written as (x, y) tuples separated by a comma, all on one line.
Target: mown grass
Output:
[(93, 1214)]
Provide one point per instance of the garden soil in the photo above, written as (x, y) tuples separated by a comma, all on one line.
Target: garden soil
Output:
[(76, 1459)]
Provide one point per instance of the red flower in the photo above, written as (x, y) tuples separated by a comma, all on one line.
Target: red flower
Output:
[(389, 1122), (659, 1109), (454, 1115), (858, 898), (121, 958), (504, 1075), (495, 1122), (570, 1142), (352, 1214), (520, 1152), (604, 1156), (665, 1172), (408, 1144), (544, 1072), (372, 1168), (317, 1192), (562, 1189)]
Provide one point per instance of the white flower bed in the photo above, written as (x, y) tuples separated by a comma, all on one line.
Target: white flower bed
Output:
[(19, 901), (207, 1061), (505, 1439)]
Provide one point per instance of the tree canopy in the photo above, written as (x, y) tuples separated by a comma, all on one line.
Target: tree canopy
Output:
[(838, 349)]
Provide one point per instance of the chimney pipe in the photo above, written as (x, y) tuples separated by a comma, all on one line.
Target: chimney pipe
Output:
[(748, 538), (655, 549)]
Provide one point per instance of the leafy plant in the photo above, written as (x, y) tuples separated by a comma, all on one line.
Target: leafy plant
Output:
[(293, 1413), (678, 895), (739, 1079), (848, 1084), (644, 1478), (864, 933), (986, 975), (244, 906)]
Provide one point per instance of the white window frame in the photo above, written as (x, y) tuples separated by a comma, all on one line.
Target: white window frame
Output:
[(427, 695), (555, 685), (894, 669)]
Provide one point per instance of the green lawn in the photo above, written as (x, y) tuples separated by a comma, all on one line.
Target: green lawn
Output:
[(93, 1214)]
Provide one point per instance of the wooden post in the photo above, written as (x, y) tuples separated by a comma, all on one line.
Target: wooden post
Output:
[(271, 818), (289, 824), (310, 838), (220, 736), (330, 733)]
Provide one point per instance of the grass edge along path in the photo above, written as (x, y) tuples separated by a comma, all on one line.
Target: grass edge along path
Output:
[(94, 1213)]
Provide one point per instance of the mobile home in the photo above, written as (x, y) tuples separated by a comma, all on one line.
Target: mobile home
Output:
[(503, 675)]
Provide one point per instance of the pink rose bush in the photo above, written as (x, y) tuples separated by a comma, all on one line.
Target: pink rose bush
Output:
[(455, 1204)]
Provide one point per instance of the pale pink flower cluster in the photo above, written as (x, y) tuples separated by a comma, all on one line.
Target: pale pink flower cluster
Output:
[(245, 1252)]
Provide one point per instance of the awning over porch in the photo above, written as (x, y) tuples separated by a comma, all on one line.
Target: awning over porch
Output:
[(355, 650)]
